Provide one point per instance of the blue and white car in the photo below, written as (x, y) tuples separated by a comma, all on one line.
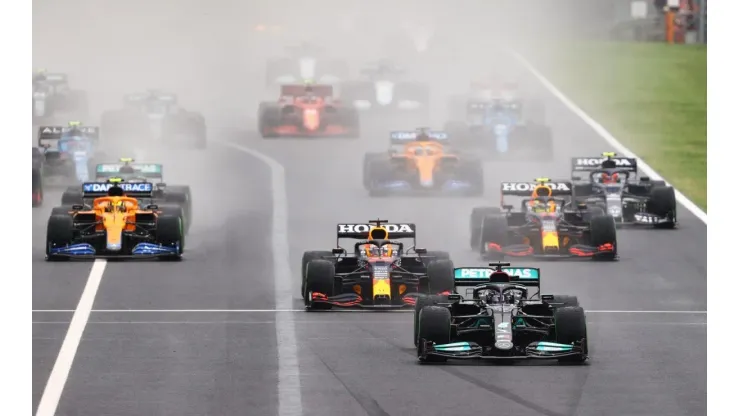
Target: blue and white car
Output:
[(68, 152), (501, 127)]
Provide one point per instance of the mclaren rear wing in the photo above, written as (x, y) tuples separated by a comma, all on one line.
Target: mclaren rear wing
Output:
[(403, 137), (50, 135), (134, 190)]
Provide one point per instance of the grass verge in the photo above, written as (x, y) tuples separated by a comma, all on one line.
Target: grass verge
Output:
[(651, 96)]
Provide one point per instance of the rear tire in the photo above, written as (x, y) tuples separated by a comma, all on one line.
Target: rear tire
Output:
[(434, 326)]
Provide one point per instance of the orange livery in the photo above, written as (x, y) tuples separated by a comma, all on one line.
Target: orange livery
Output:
[(421, 162)]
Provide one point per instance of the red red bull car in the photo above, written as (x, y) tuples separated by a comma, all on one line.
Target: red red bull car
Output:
[(307, 111)]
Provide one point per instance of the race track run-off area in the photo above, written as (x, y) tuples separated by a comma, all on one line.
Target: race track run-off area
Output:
[(223, 332)]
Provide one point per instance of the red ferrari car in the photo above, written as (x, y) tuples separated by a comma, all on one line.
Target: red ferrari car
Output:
[(307, 111)]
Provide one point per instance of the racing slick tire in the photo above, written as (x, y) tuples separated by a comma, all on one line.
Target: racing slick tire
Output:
[(268, 117), (434, 325), (181, 195), (570, 327), (368, 161), (72, 196), (436, 255), (472, 171), (308, 256), (37, 188), (421, 302), (320, 278), (494, 229), (662, 202), (170, 233), (476, 224), (379, 170), (63, 210), (59, 232), (564, 301), (441, 276), (604, 231)]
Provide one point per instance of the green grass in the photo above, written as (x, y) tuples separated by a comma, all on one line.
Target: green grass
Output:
[(651, 96)]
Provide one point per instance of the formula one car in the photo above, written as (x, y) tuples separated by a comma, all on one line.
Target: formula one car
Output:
[(51, 94), (68, 153), (500, 320), (503, 126), (155, 116), (379, 273), (115, 226), (383, 93), (37, 178), (306, 110), (546, 227), (613, 186), (424, 165), (305, 61), (128, 171)]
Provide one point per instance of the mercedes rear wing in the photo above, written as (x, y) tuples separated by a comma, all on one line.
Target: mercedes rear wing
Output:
[(469, 277), (145, 170)]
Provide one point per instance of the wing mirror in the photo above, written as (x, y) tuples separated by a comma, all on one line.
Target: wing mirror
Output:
[(421, 251), (77, 207), (644, 179), (337, 251), (152, 207), (547, 297)]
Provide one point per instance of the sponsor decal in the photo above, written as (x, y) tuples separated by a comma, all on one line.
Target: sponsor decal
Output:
[(597, 161), (526, 186), (481, 273), (365, 228), (127, 187)]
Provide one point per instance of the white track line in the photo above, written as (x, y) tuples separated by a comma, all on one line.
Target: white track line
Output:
[(332, 312), (289, 386), (601, 131), (62, 366)]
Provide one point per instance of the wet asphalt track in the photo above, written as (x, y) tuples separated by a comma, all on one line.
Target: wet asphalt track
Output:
[(225, 363)]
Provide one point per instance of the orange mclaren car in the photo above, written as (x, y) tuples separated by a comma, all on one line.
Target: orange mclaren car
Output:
[(115, 225), (423, 165)]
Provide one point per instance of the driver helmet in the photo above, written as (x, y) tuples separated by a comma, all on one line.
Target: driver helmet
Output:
[(610, 178), (371, 250), (538, 206)]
